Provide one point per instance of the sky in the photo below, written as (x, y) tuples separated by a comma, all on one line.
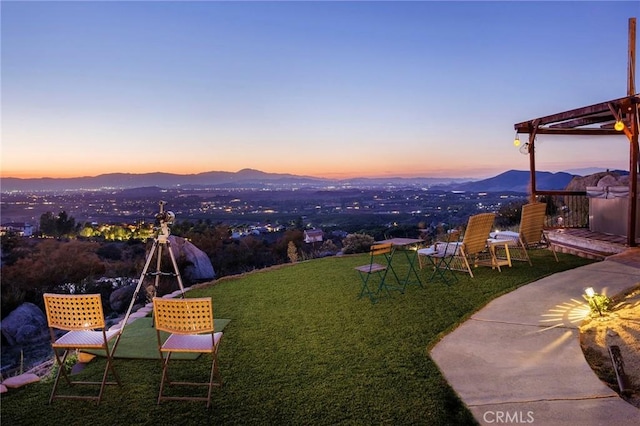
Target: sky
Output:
[(328, 89)]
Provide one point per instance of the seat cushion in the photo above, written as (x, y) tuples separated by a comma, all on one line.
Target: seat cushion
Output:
[(84, 339), (191, 342)]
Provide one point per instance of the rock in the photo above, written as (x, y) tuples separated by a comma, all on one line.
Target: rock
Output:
[(199, 266), (580, 183), (3, 388), (21, 380), (120, 298), (26, 324), (608, 180)]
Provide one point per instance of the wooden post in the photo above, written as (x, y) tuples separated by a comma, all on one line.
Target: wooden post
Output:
[(532, 160), (631, 70), (634, 158)]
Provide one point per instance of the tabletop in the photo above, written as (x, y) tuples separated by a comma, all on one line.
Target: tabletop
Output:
[(401, 241)]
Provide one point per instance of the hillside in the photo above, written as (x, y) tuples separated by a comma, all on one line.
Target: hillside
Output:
[(509, 181), (515, 181), (245, 179)]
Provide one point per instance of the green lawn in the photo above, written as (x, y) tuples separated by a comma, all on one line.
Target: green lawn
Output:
[(302, 349)]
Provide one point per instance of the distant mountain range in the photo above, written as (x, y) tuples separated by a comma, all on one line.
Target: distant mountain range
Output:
[(515, 181), (246, 178), (510, 181)]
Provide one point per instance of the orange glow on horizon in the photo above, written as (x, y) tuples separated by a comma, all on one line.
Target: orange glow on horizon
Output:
[(372, 172)]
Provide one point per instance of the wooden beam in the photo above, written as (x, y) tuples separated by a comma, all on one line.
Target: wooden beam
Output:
[(581, 132), (622, 104), (618, 117), (602, 107), (610, 125), (578, 122)]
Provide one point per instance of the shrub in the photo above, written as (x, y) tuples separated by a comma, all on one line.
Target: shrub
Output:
[(357, 243)]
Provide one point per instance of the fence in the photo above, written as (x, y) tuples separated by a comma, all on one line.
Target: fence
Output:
[(565, 209)]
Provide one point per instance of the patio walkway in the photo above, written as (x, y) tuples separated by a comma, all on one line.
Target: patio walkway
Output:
[(518, 360)]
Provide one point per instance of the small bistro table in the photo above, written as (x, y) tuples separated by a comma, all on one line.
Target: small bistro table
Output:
[(409, 246)]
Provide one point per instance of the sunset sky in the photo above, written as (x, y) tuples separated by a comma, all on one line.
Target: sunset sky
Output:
[(327, 89)]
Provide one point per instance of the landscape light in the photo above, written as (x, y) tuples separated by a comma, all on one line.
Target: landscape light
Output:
[(597, 302)]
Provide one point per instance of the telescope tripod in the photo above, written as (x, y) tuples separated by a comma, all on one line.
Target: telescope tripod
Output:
[(161, 240)]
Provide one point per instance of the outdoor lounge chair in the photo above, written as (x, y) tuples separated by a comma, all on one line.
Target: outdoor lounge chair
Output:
[(530, 234), (472, 250), (81, 315), (191, 327)]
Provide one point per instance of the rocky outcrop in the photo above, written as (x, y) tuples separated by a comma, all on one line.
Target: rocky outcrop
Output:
[(199, 267), (120, 298), (580, 183), (579, 206), (25, 325)]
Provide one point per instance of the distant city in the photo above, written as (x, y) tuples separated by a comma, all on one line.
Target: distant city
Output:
[(252, 199)]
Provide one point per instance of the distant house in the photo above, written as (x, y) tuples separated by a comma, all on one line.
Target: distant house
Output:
[(21, 228), (313, 235)]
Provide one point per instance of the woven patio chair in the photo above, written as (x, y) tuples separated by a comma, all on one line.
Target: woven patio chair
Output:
[(81, 316), (530, 234), (191, 327), (473, 248)]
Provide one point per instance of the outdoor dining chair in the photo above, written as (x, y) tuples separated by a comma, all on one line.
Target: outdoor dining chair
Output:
[(440, 255), (190, 324), (530, 234), (378, 253), (82, 317), (473, 248)]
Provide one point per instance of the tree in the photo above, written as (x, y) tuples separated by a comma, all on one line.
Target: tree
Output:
[(292, 252), (280, 248), (65, 224), (87, 231), (48, 224), (57, 226)]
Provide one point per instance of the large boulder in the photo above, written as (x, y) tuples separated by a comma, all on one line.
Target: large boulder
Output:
[(579, 206), (120, 298), (26, 324), (199, 267), (580, 183)]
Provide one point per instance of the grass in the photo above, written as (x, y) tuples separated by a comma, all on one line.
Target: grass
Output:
[(302, 349)]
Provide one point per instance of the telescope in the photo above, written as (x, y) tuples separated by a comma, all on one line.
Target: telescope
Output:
[(165, 217)]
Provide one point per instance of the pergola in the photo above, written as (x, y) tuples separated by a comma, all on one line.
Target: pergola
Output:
[(615, 117)]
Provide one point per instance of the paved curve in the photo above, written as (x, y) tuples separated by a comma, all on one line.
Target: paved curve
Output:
[(519, 361)]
